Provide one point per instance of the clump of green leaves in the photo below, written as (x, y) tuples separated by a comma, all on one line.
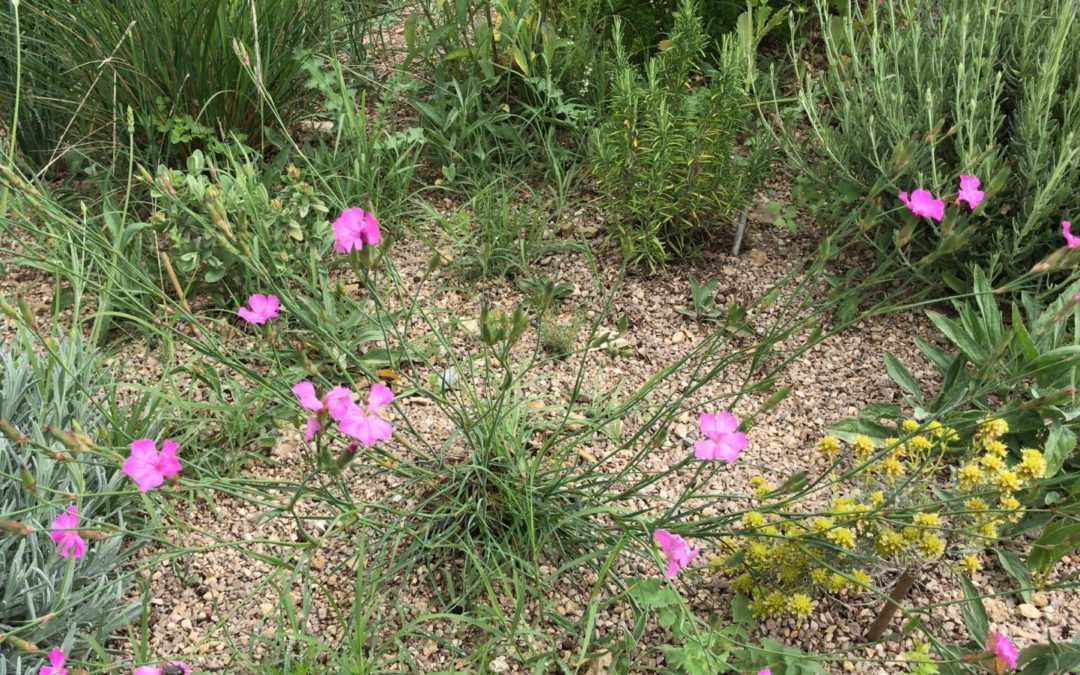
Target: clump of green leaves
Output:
[(215, 214), (664, 154), (702, 301)]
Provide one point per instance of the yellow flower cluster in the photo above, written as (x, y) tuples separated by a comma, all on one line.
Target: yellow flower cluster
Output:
[(790, 557)]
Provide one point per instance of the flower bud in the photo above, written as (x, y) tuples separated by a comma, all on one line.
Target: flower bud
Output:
[(11, 432)]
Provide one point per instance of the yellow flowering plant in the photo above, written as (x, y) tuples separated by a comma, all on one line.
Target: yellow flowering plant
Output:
[(896, 505)]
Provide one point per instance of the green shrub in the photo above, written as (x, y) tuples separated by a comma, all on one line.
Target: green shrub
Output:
[(646, 20), (47, 600), (181, 65), (214, 215), (916, 93), (665, 152), (558, 338)]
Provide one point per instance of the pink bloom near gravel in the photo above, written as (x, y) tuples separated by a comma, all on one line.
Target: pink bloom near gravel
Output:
[(355, 229), (261, 308), (969, 191), (56, 658), (922, 203), (676, 550), (65, 533), (765, 672), (159, 670), (339, 402), (147, 467), (365, 425), (312, 427), (1071, 240), (1003, 649), (722, 441), (305, 391)]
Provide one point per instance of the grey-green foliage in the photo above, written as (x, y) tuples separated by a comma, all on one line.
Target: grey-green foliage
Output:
[(916, 93), (61, 386), (664, 154)]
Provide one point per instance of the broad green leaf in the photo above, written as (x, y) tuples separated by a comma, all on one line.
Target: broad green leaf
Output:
[(1054, 364), (902, 376), (1056, 541), (740, 610), (975, 618), (860, 426), (1016, 568), (936, 355), (1059, 444), (1050, 659)]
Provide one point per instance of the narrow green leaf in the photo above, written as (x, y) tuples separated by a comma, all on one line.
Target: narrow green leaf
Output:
[(975, 618), (902, 376), (959, 337), (1023, 337), (1016, 568)]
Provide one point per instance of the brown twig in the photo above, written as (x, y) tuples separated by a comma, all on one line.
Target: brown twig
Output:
[(175, 282), (884, 617)]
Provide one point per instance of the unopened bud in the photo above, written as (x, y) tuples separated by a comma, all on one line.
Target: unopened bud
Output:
[(9, 310), (11, 432), (1049, 399), (28, 480), (27, 314), (19, 643), (15, 527), (69, 440)]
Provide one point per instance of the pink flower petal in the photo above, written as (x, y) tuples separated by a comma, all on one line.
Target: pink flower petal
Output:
[(168, 464), (707, 424), (262, 308), (705, 449), (148, 468), (352, 228), (313, 427), (969, 191), (922, 203), (380, 429), (380, 395), (305, 391), (1003, 649), (369, 231), (675, 549), (1071, 240), (66, 536), (726, 422), (339, 402), (57, 659)]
